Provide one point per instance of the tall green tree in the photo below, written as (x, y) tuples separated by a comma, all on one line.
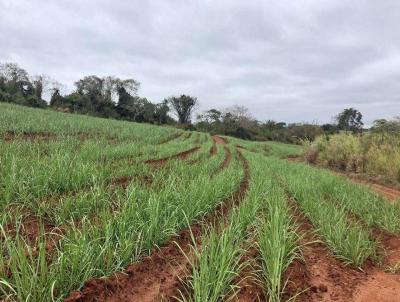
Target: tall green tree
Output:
[(183, 106), (350, 119)]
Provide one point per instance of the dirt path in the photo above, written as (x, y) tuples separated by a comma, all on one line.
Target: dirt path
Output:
[(158, 276)]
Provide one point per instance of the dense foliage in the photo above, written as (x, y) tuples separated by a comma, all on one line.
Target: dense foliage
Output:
[(376, 153)]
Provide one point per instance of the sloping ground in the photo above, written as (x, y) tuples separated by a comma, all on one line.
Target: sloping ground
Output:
[(113, 217), (158, 276)]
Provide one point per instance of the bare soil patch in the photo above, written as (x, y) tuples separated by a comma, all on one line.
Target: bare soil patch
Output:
[(220, 140)]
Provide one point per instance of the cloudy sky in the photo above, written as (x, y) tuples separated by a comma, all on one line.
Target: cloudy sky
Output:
[(288, 60)]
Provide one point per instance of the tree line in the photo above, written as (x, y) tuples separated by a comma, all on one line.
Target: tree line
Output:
[(113, 97), (108, 97)]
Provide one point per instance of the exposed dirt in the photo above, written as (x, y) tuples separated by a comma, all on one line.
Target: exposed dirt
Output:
[(33, 229), (319, 276), (180, 155), (391, 244), (158, 276), (380, 287), (220, 140), (28, 136), (328, 279), (250, 288)]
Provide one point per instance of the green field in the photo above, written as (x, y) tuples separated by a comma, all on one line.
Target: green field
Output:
[(83, 197)]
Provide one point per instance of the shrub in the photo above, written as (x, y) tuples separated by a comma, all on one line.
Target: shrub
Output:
[(373, 154)]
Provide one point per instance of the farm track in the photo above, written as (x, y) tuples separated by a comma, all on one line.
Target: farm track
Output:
[(159, 276)]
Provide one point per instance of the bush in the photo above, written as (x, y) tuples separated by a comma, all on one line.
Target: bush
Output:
[(375, 155)]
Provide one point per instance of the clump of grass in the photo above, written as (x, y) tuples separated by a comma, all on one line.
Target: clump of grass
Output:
[(393, 269), (277, 243), (216, 265)]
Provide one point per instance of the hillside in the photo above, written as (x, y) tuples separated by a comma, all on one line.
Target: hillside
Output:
[(107, 210)]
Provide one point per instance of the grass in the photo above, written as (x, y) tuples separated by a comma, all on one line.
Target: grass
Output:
[(90, 183)]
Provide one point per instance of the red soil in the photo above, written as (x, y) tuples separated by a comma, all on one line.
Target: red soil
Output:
[(250, 288), (328, 279), (320, 276), (31, 229), (220, 140), (158, 276)]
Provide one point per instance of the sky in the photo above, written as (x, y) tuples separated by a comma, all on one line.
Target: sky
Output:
[(285, 60)]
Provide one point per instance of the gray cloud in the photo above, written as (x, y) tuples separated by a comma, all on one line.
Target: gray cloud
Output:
[(285, 60)]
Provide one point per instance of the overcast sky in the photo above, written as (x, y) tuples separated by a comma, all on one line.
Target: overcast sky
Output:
[(289, 60)]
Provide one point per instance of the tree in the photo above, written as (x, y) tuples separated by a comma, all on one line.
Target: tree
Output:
[(161, 113), (329, 128), (40, 84), (183, 107), (350, 119), (16, 79), (383, 126)]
